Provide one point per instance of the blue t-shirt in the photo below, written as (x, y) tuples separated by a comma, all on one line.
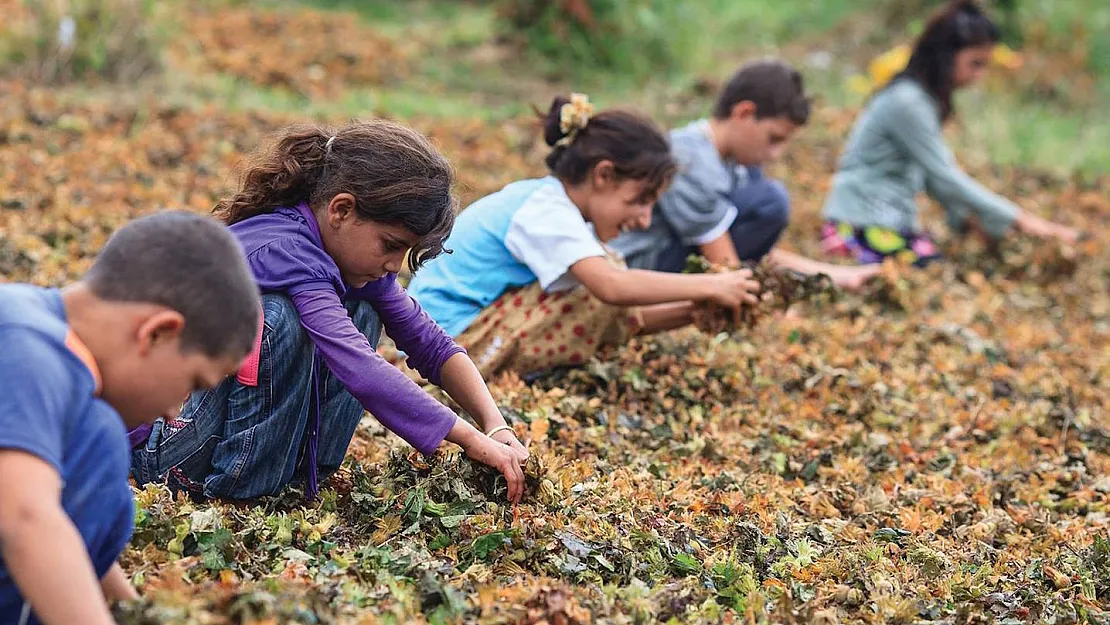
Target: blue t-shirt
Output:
[(527, 232), (49, 408)]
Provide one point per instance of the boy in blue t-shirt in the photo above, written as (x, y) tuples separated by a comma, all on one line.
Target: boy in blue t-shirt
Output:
[(167, 307)]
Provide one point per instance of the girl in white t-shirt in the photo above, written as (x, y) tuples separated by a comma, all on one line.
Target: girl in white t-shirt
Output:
[(529, 284)]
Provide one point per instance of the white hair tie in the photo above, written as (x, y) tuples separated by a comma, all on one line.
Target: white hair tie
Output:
[(327, 146)]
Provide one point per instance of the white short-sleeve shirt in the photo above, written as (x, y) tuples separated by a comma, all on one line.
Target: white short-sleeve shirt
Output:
[(549, 235)]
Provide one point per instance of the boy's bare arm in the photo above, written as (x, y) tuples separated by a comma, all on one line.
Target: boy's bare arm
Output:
[(848, 277), (116, 586), (41, 547), (721, 251)]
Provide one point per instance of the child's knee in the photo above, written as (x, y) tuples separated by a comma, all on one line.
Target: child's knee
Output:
[(277, 307), (284, 339), (280, 316)]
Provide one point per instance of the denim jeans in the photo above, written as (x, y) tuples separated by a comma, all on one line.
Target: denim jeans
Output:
[(241, 442), (763, 208)]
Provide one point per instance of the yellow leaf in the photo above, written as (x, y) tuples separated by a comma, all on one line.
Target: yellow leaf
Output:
[(888, 64), (389, 526), (860, 84), (1004, 56)]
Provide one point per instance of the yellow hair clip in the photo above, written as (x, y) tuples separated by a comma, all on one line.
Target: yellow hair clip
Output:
[(574, 116)]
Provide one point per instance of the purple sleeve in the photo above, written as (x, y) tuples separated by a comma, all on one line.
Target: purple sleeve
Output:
[(395, 400), (426, 344), (139, 435)]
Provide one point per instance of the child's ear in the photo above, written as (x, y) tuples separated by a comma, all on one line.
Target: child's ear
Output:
[(340, 209), (744, 109), (161, 327), (604, 174)]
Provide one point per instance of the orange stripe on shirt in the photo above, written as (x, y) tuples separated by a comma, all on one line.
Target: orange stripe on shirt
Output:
[(79, 349)]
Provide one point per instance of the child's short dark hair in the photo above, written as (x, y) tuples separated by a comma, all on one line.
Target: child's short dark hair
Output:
[(635, 146), (188, 263), (774, 86), (394, 172)]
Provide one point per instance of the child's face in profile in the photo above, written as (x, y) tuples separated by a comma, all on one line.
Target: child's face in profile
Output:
[(364, 250), (754, 142), (617, 206), (970, 64), (153, 376)]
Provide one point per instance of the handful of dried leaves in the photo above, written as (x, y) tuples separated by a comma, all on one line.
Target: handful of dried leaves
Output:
[(778, 290)]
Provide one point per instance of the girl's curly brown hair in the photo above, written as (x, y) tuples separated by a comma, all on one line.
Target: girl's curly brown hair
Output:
[(395, 174)]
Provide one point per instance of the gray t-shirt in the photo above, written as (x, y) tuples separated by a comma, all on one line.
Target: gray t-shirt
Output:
[(696, 208)]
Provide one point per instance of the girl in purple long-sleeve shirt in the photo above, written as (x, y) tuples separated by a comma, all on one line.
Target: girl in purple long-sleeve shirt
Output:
[(326, 220)]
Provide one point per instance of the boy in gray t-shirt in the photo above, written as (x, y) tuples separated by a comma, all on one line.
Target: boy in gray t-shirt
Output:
[(720, 204)]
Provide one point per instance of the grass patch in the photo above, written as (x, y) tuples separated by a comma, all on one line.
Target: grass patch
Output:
[(462, 69), (1078, 26), (1003, 129), (53, 42)]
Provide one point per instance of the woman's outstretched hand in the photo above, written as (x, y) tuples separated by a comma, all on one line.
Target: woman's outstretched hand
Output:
[(1042, 228)]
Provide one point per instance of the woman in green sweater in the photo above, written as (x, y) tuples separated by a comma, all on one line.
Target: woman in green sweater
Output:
[(897, 149)]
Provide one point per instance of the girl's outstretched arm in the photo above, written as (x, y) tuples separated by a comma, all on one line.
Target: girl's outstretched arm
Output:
[(1032, 225), (464, 384), (382, 389), (397, 402), (848, 277), (637, 287), (722, 251), (663, 317), (428, 346)]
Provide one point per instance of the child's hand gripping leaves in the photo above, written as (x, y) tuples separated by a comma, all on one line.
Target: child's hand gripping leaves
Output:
[(507, 458), (733, 291), (774, 289)]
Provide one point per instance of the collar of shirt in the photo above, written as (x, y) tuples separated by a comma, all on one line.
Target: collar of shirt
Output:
[(310, 220)]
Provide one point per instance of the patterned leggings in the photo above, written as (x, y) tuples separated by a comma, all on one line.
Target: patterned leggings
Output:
[(527, 330), (873, 244)]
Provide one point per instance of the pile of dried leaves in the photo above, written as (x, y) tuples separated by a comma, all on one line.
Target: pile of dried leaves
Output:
[(935, 450)]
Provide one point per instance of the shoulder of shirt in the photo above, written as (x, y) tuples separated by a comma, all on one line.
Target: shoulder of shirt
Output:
[(546, 198), (691, 141), (547, 189), (512, 195), (700, 174), (297, 245), (905, 92), (696, 155), (270, 227), (23, 314), (24, 306)]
